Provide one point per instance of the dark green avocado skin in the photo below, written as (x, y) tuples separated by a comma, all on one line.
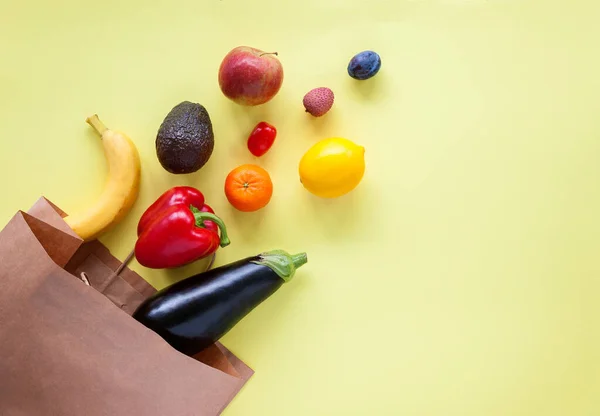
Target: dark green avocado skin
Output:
[(185, 139)]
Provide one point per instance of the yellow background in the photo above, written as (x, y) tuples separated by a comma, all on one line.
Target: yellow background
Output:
[(460, 279)]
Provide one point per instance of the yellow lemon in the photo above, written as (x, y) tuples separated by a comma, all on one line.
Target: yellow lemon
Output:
[(332, 167)]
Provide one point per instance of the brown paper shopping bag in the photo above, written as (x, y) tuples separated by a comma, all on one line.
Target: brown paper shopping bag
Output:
[(70, 349)]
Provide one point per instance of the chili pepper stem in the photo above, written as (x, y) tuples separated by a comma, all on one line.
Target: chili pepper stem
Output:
[(207, 216)]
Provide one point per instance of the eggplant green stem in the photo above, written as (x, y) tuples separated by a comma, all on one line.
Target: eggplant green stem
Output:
[(282, 263), (207, 216), (95, 122)]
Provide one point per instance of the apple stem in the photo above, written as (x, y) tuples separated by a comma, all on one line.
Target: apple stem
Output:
[(269, 53)]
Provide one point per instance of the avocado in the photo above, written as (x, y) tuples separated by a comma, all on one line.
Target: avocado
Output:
[(185, 139)]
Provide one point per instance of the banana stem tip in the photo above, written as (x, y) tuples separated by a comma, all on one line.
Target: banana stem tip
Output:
[(95, 122)]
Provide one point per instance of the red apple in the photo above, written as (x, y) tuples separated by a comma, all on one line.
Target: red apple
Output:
[(250, 76)]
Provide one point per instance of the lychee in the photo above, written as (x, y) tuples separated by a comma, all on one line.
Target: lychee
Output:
[(318, 101)]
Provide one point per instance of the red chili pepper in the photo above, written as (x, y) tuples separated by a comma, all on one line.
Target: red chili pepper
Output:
[(173, 233), (261, 139)]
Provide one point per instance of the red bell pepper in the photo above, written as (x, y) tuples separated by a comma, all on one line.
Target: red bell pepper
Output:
[(174, 232), (179, 195)]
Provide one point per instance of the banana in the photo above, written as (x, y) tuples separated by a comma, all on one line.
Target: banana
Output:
[(121, 189)]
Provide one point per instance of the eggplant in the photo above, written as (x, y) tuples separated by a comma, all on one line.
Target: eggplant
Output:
[(195, 312)]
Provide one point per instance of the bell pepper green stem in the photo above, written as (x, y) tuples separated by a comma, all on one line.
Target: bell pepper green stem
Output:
[(207, 216), (282, 263)]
